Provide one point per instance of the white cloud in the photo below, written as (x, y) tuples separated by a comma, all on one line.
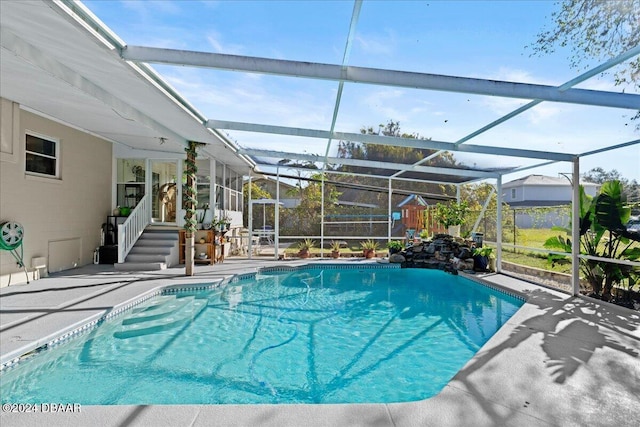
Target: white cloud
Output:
[(502, 106), (542, 113), (215, 40), (242, 97), (520, 76), (148, 7), (377, 44)]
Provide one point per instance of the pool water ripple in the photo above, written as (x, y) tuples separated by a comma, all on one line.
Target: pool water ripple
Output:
[(314, 336)]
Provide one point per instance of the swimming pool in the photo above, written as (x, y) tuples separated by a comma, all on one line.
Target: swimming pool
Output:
[(315, 335)]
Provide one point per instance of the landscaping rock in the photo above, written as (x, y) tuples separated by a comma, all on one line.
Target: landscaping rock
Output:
[(397, 259), (443, 252)]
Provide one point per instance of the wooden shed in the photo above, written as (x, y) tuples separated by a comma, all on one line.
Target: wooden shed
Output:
[(412, 209)]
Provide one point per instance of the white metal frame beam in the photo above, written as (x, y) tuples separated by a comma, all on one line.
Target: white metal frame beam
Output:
[(379, 76), (579, 79), (368, 164), (586, 153), (389, 140), (385, 177), (355, 15)]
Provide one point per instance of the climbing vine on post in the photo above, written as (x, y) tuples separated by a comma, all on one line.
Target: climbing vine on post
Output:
[(190, 204)]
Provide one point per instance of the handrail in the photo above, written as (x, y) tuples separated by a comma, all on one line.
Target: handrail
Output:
[(132, 228)]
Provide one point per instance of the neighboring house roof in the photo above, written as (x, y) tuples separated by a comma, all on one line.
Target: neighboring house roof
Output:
[(544, 180), (361, 205), (541, 190), (413, 199)]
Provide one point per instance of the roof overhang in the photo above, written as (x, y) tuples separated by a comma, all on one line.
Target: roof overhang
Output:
[(56, 64)]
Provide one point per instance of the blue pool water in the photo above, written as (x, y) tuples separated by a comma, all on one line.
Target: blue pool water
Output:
[(308, 336)]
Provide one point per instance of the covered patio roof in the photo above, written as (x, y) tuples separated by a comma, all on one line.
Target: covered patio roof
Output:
[(60, 60)]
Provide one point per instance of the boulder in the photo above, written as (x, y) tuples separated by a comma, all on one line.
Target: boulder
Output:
[(397, 259)]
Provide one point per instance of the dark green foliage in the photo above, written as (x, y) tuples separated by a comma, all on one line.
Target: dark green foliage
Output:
[(603, 234)]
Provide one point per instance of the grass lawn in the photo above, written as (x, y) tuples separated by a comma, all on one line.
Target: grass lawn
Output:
[(531, 237), (535, 259), (534, 237)]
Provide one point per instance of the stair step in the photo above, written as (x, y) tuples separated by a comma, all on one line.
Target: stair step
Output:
[(152, 325), (146, 258), (158, 303), (140, 266), (152, 249), (165, 310), (155, 235), (155, 242)]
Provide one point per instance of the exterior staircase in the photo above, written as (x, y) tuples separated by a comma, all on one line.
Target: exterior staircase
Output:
[(155, 249)]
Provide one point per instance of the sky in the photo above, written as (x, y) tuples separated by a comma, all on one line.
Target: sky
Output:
[(479, 39)]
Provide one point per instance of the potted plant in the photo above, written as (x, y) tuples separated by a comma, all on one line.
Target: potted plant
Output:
[(335, 249), (452, 215), (224, 223), (305, 246), (483, 258), (394, 246), (369, 248)]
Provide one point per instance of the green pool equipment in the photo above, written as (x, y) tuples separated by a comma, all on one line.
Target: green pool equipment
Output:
[(11, 235)]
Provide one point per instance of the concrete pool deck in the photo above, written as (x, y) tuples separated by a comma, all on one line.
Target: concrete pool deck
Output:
[(559, 361)]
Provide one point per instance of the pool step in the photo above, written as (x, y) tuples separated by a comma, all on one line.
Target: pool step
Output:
[(164, 310), (157, 302), (161, 317)]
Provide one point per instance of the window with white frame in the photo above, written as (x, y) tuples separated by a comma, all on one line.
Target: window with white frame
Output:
[(42, 155), (513, 193)]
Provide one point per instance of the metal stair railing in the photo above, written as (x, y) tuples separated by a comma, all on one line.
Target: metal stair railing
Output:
[(130, 230)]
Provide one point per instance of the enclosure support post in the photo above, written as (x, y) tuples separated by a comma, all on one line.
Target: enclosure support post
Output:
[(276, 215), (575, 228), (214, 205), (250, 215), (224, 201), (499, 226), (322, 217), (389, 212)]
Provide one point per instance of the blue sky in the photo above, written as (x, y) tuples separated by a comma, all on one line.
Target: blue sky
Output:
[(461, 38)]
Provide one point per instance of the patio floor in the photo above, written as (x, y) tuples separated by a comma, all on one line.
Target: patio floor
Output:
[(559, 361)]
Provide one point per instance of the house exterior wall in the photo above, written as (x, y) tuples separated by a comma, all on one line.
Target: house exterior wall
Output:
[(62, 218), (548, 193), (513, 194), (530, 194), (543, 218)]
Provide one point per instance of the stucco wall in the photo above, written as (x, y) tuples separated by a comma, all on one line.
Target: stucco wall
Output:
[(61, 217)]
